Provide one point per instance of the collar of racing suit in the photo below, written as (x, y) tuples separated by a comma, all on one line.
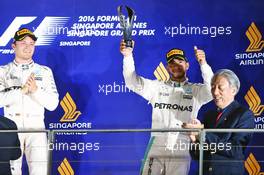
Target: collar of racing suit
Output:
[(24, 66), (177, 84)]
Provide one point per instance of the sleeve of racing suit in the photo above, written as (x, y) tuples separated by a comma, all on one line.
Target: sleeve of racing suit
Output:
[(138, 84), (7, 97), (204, 93), (47, 96)]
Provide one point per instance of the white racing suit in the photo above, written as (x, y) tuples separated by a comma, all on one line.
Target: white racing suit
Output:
[(173, 103), (27, 111)]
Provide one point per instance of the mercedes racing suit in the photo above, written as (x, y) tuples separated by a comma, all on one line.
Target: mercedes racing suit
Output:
[(173, 103), (27, 111)]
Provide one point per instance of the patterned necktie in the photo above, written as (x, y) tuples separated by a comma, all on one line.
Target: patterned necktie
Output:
[(218, 117)]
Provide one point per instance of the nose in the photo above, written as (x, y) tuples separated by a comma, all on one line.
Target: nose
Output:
[(215, 91), (28, 45), (178, 66)]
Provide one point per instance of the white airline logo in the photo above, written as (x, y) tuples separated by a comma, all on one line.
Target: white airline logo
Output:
[(46, 32)]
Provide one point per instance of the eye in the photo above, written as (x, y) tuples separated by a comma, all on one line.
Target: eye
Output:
[(221, 87), (212, 88), (171, 65)]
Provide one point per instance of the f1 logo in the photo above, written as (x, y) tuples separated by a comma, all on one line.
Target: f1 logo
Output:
[(46, 32), (13, 27)]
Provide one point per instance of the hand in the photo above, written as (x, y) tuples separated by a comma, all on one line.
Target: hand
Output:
[(200, 55), (24, 89), (31, 84), (195, 121), (126, 51), (193, 124), (192, 137)]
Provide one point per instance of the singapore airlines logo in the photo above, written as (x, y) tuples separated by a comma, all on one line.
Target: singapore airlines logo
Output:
[(252, 166), (161, 73), (70, 110), (254, 102), (255, 38), (65, 168)]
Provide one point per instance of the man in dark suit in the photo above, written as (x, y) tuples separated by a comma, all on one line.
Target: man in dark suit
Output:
[(9, 145), (224, 152)]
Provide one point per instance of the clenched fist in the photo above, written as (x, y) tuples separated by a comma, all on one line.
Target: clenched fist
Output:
[(200, 55), (126, 51)]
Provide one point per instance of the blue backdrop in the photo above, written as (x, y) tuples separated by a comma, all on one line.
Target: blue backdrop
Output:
[(79, 40)]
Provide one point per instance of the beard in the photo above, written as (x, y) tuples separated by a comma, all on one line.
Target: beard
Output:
[(178, 75), (177, 72)]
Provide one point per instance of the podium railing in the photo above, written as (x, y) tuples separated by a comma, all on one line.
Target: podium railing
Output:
[(202, 132)]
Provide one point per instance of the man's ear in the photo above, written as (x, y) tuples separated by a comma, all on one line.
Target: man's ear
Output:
[(167, 67), (234, 91), (13, 45), (187, 65)]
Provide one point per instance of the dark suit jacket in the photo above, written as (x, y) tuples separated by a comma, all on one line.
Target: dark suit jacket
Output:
[(9, 145), (228, 159)]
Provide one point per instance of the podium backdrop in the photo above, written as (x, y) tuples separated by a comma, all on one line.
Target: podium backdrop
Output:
[(79, 40)]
